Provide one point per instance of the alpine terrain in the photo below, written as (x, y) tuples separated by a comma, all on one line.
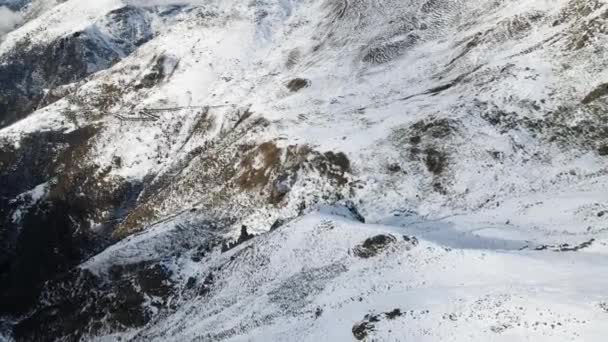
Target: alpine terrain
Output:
[(303, 170)]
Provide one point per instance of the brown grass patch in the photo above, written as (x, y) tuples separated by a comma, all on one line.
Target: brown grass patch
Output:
[(258, 166)]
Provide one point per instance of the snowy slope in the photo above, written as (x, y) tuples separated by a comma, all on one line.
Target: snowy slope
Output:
[(364, 108), (306, 282), (478, 127)]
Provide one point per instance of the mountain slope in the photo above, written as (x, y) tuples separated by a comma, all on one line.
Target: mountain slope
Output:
[(471, 125), (327, 276)]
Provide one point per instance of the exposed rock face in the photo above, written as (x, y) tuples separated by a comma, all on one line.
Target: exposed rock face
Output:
[(80, 303), (48, 231)]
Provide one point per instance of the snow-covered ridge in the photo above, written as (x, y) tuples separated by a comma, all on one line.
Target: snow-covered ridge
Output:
[(330, 277)]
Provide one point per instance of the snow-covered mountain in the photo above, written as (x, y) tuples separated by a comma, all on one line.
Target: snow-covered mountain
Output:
[(304, 170)]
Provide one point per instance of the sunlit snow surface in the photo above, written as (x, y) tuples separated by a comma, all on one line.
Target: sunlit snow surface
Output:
[(303, 282)]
